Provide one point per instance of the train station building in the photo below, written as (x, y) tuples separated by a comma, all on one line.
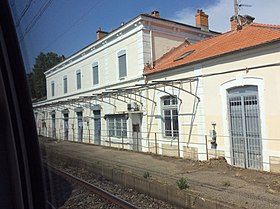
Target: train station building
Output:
[(222, 98), (83, 99), (155, 85)]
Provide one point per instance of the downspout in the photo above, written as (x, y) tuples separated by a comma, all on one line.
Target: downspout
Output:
[(151, 47)]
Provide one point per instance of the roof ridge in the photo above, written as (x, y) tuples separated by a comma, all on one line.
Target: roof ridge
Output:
[(267, 26), (211, 37)]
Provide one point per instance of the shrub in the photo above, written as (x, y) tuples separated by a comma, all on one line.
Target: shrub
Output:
[(146, 174), (182, 183)]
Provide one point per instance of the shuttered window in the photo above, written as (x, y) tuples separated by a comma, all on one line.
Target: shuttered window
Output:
[(65, 87), (78, 78), (122, 64), (52, 88), (95, 78)]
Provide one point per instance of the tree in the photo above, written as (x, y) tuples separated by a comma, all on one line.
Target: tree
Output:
[(37, 79), (30, 77)]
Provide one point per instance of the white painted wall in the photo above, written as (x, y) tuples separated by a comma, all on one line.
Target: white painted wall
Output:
[(212, 91), (144, 39)]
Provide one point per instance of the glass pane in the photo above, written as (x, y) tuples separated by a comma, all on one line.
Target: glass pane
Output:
[(167, 123), (167, 113), (78, 80), (168, 131), (175, 126), (174, 100), (65, 85), (95, 74), (52, 89), (79, 114), (118, 127), (122, 66), (175, 112), (175, 122), (166, 101), (111, 126), (124, 127)]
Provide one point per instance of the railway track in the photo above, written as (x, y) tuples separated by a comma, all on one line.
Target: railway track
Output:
[(92, 188)]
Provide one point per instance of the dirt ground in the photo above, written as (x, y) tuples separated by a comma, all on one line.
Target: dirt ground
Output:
[(219, 166), (213, 179)]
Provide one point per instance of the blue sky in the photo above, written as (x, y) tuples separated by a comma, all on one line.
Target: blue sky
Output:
[(66, 26)]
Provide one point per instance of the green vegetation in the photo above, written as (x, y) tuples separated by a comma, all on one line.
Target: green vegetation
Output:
[(36, 78), (146, 174), (182, 183)]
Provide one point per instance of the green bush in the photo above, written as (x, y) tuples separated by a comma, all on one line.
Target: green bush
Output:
[(146, 174), (182, 183)]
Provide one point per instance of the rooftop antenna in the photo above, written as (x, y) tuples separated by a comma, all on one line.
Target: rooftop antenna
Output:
[(237, 6)]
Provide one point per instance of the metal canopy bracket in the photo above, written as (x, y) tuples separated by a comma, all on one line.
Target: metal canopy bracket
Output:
[(167, 83), (133, 90)]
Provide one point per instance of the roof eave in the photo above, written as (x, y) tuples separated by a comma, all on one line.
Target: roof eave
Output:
[(95, 42), (180, 23)]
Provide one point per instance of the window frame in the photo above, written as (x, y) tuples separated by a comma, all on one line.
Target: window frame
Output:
[(116, 125), (120, 54), (65, 84), (78, 79), (94, 77), (52, 88), (170, 103)]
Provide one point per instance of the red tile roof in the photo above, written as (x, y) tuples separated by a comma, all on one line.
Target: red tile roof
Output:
[(251, 35)]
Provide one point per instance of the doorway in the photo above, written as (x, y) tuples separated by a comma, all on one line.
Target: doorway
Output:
[(245, 130), (80, 126), (97, 127), (66, 125), (53, 127), (136, 121)]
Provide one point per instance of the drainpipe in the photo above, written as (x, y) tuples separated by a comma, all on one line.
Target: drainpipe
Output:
[(151, 46)]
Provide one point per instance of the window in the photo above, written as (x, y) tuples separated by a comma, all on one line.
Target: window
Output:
[(111, 126), (95, 73), (122, 64), (184, 55), (52, 88), (117, 125), (65, 84), (170, 116), (78, 77)]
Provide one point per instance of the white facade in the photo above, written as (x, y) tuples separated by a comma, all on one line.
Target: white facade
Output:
[(82, 104), (212, 81)]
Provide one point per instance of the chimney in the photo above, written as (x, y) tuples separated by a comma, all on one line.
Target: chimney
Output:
[(100, 34), (155, 13), (201, 20), (249, 19), (246, 19)]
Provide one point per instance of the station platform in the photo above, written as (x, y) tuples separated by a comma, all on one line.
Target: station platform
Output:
[(212, 183)]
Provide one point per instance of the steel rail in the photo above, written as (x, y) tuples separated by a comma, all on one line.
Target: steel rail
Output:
[(104, 194)]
